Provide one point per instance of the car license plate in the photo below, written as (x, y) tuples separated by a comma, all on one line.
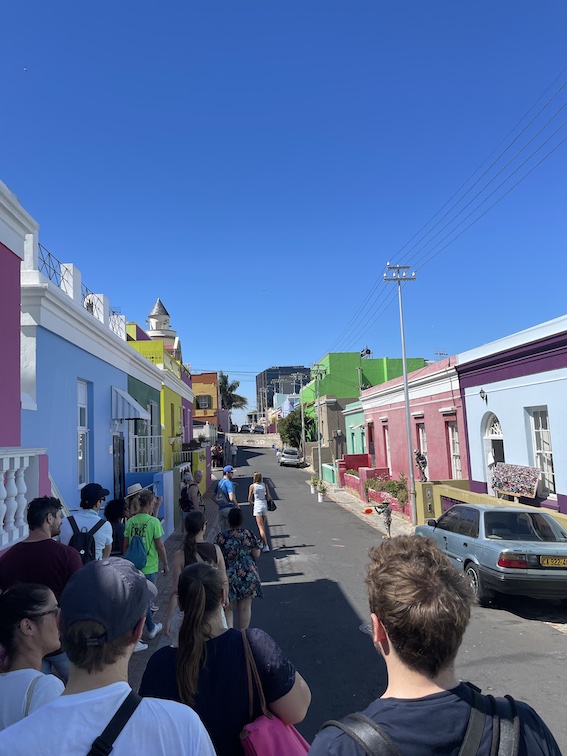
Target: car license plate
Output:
[(553, 561)]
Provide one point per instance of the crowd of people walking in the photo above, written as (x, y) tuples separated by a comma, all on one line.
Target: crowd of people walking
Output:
[(73, 612)]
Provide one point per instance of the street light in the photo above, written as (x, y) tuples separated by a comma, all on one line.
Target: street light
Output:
[(399, 278)]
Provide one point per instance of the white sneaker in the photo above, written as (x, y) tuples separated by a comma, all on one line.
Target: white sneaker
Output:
[(266, 548), (140, 647), (155, 631), (154, 608)]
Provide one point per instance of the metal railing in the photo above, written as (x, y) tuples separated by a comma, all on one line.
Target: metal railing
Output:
[(145, 453)]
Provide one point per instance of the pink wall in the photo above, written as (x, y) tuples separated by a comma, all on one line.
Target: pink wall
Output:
[(438, 454), (10, 428)]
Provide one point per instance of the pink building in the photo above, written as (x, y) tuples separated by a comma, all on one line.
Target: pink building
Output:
[(437, 424), (23, 472)]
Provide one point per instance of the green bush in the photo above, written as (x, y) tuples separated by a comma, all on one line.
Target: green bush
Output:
[(353, 472), (396, 488)]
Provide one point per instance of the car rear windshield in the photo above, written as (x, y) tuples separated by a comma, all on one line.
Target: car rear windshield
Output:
[(523, 526), (290, 452)]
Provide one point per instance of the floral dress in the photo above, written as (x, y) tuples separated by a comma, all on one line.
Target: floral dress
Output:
[(243, 578)]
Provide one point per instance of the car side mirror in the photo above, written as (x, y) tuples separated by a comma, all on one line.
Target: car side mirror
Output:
[(432, 523)]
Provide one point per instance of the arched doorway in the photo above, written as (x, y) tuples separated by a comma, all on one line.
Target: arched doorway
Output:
[(493, 443)]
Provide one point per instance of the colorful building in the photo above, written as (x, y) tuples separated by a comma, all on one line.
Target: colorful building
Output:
[(513, 391), (437, 423), (207, 399), (24, 470)]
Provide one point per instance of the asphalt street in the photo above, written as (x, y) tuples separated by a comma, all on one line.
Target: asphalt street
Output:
[(315, 605)]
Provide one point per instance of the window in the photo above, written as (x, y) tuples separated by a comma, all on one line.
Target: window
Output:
[(204, 402), (543, 455), (422, 443), (387, 448), (454, 450), (469, 523), (451, 520), (82, 433)]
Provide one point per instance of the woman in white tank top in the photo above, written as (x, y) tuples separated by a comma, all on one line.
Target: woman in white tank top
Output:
[(258, 495)]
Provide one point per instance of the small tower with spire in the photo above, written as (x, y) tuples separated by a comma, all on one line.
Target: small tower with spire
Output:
[(160, 329)]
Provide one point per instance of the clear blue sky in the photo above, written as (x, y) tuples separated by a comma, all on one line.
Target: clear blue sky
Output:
[(256, 165)]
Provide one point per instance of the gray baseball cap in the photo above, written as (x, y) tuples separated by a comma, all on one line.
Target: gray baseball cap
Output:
[(111, 592)]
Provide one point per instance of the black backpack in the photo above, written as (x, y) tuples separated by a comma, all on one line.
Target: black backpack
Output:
[(372, 739), (83, 540), (185, 502)]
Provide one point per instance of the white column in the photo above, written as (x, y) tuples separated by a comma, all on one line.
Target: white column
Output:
[(21, 500), (3, 534), (11, 504), (71, 282)]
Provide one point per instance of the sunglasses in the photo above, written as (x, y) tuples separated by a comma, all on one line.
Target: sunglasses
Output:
[(48, 611)]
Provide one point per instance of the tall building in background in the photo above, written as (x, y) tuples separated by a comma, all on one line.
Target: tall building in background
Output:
[(288, 379)]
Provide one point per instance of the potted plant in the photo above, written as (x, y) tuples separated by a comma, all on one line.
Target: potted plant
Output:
[(321, 490), (313, 481)]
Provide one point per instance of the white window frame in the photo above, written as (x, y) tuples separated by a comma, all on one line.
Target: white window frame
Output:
[(82, 433), (542, 450), (387, 445), (208, 401), (454, 450), (422, 444)]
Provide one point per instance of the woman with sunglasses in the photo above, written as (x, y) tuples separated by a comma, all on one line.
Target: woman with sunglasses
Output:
[(28, 631), (194, 549), (207, 670)]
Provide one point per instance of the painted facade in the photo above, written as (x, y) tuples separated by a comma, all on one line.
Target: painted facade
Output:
[(437, 423), (346, 372), (355, 428), (24, 472), (207, 402), (76, 368), (514, 393)]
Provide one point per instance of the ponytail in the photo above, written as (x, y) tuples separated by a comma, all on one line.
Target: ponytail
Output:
[(200, 593), (194, 523)]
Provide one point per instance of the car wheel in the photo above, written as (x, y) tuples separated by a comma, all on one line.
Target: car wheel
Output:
[(473, 576)]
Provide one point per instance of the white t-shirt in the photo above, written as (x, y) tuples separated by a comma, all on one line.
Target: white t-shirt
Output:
[(69, 725), (14, 687), (88, 518)]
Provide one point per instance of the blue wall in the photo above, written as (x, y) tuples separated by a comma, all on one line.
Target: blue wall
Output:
[(54, 424)]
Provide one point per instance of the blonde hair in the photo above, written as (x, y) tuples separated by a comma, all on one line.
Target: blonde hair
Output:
[(257, 477)]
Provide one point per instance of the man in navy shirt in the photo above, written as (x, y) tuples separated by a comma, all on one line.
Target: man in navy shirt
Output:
[(420, 608)]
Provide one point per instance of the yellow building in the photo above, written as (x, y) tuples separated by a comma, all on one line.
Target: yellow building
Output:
[(206, 391)]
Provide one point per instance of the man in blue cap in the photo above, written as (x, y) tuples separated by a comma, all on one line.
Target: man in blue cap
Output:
[(225, 496)]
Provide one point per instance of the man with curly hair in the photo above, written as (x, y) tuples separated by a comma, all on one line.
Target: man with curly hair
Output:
[(420, 607)]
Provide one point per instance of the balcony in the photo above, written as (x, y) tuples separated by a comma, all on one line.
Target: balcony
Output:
[(19, 473), (146, 453)]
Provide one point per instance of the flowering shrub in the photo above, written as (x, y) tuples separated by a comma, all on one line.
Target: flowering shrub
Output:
[(398, 489)]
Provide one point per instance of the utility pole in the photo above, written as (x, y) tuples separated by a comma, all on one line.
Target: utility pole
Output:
[(297, 377), (400, 277), (319, 373)]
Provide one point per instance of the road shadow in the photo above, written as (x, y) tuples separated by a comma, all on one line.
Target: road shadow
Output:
[(318, 630), (532, 609)]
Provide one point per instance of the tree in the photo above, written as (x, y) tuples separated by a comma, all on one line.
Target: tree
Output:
[(290, 429), (229, 398)]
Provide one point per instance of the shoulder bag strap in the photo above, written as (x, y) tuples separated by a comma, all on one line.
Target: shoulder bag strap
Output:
[(252, 672), (366, 734), (73, 524), (103, 745), (505, 727), (475, 727), (29, 694), (98, 526)]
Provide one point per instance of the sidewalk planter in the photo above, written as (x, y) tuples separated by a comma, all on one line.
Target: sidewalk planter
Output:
[(321, 491), (313, 481), (313, 489), (381, 497), (352, 482)]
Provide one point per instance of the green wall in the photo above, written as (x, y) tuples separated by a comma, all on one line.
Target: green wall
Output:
[(142, 393), (341, 377), (355, 436)]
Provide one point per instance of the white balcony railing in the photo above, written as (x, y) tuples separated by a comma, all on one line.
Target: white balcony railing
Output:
[(181, 457), (146, 453), (19, 474)]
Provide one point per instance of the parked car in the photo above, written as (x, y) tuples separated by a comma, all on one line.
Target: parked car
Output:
[(245, 429), (289, 456), (257, 429), (504, 549)]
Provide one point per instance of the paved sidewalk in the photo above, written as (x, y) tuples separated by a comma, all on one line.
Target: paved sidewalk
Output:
[(347, 500)]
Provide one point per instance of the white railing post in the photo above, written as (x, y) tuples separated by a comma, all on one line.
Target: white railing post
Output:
[(21, 496), (3, 534), (11, 504)]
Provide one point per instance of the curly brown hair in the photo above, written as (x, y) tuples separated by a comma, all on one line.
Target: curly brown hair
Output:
[(423, 603)]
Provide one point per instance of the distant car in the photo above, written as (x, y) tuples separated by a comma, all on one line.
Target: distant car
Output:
[(245, 429), (257, 429), (289, 456), (504, 549)]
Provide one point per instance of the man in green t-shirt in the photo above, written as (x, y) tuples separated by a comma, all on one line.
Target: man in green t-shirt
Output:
[(150, 530)]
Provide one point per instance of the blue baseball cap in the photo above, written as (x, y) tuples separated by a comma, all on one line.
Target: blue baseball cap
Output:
[(228, 468)]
